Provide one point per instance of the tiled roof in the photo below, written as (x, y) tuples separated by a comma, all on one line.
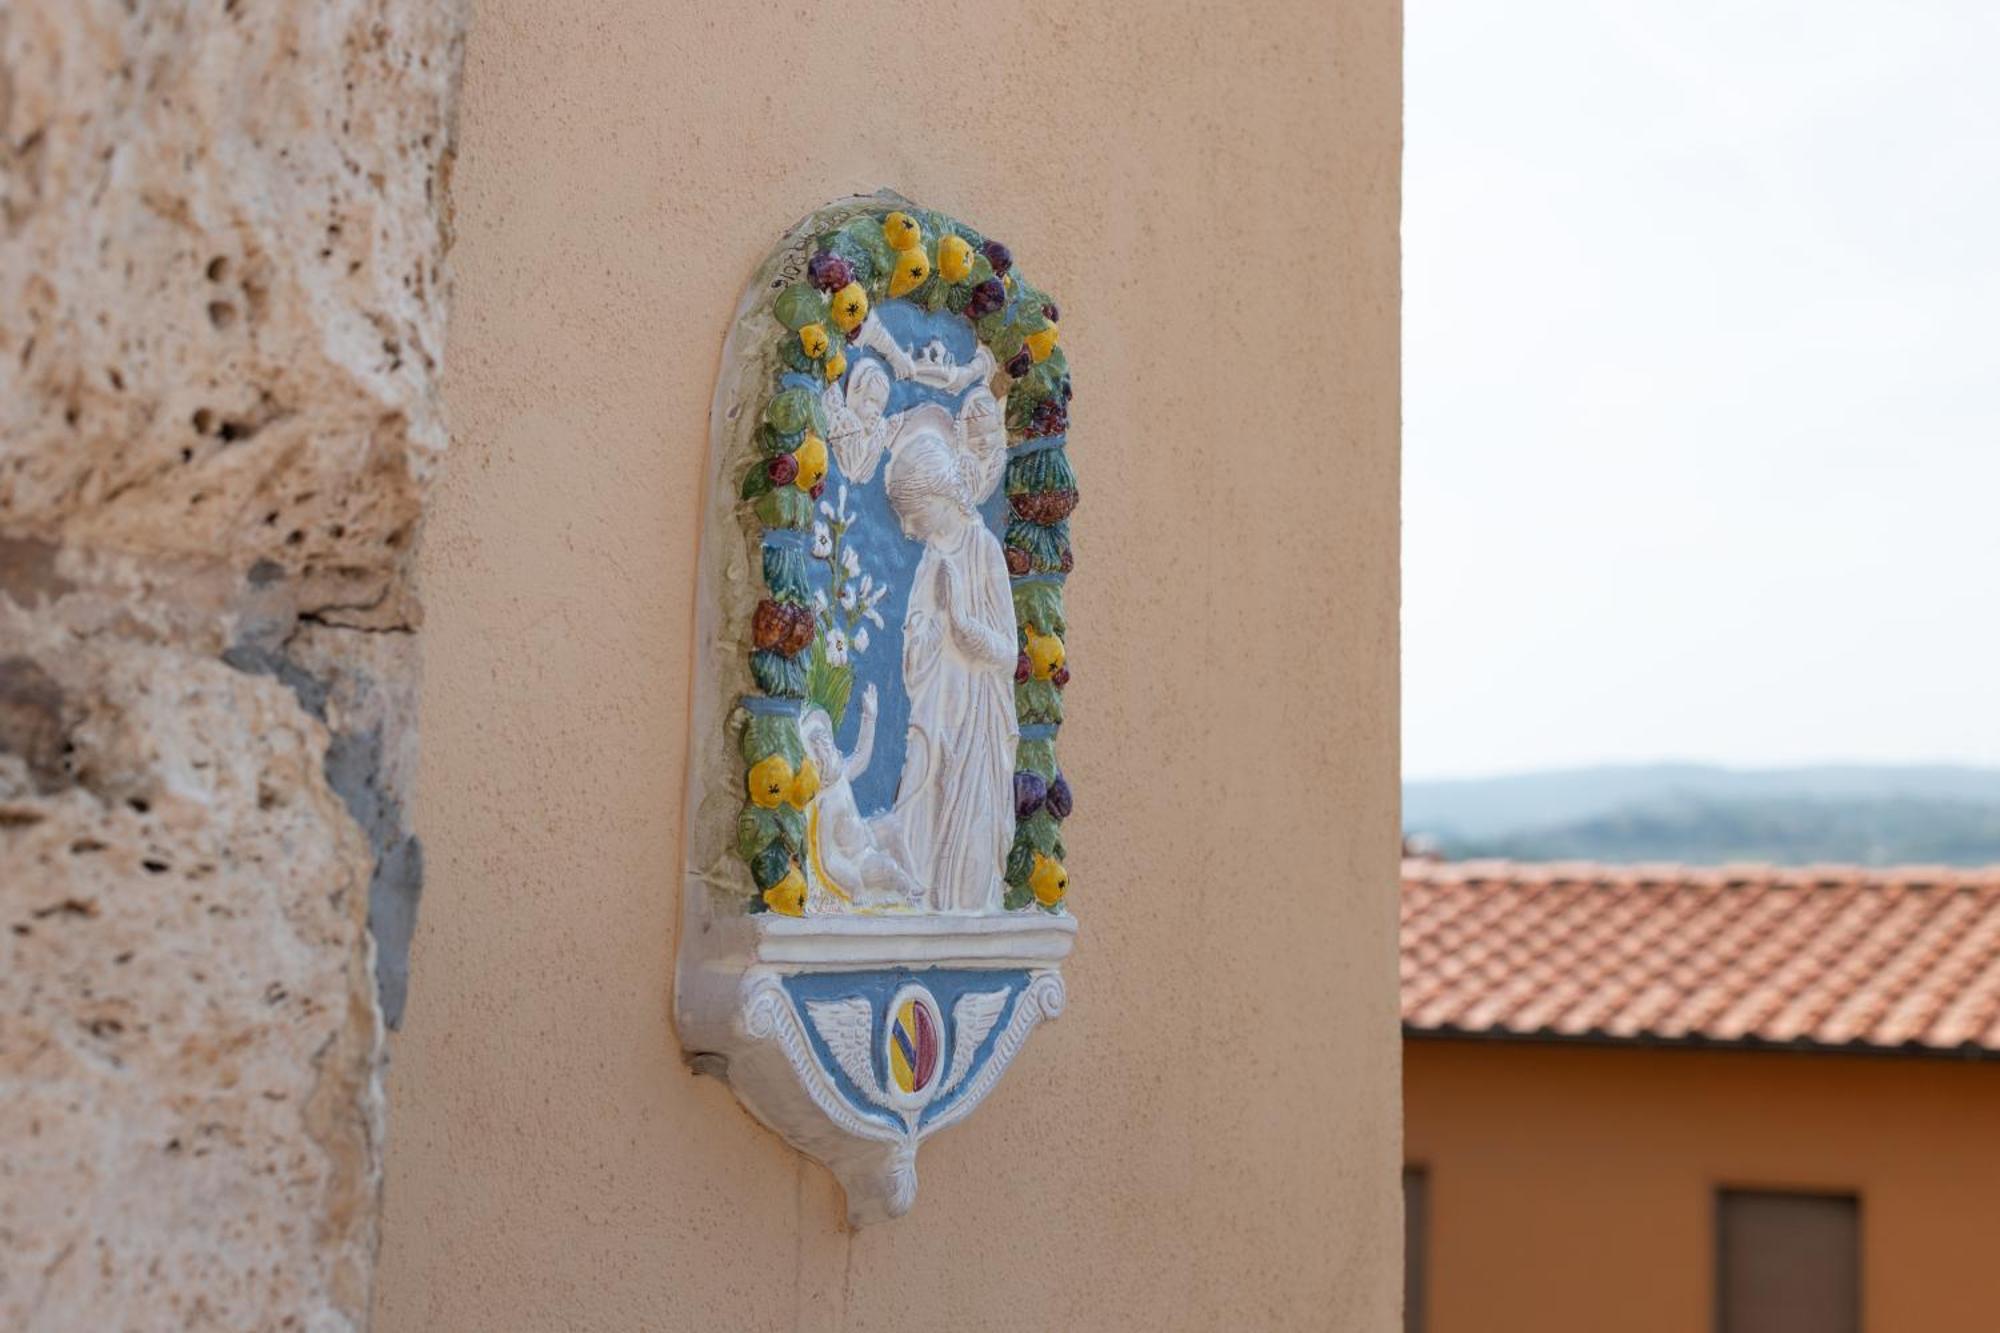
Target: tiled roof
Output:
[(1903, 959)]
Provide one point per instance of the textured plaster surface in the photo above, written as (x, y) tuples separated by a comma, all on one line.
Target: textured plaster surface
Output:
[(1209, 1137), (221, 313)]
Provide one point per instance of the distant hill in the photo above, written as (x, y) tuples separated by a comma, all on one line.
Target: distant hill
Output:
[(1859, 814)]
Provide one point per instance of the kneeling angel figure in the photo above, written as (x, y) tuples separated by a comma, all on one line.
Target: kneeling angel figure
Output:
[(849, 870)]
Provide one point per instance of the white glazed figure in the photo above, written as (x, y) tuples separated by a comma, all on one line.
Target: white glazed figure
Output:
[(860, 429), (953, 820), (849, 870)]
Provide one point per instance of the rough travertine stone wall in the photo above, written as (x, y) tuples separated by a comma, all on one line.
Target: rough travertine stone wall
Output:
[(222, 309)]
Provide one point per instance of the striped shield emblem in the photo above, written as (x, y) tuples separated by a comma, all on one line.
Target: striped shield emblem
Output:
[(913, 1046)]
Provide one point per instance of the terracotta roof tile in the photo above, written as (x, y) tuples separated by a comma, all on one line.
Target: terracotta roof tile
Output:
[(1905, 958)]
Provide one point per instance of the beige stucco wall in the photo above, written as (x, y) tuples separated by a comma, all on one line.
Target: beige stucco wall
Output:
[(1209, 1137)]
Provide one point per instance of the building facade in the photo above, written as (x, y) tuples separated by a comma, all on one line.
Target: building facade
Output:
[(1661, 1099)]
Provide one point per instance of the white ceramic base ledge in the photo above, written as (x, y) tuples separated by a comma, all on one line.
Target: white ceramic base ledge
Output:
[(913, 941)]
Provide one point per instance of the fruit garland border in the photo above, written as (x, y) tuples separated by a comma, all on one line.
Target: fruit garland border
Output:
[(939, 264)]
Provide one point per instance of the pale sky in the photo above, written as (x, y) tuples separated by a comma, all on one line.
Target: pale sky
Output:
[(1701, 382)]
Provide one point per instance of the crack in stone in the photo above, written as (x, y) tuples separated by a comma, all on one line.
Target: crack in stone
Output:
[(355, 769)]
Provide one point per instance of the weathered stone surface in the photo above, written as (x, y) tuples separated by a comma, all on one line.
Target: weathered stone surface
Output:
[(222, 305), (189, 1053)]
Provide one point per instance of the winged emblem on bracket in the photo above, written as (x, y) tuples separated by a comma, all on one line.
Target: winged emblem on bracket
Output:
[(848, 1028), (876, 1069)]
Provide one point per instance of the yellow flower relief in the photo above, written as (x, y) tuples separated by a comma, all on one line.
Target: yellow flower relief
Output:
[(902, 232), (955, 258), (805, 786), (1048, 880), (788, 896), (836, 366), (1045, 654), (813, 338), (770, 780), (850, 307), (911, 269), (811, 458), (1041, 344)]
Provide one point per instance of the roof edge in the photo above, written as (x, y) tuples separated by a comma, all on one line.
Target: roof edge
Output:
[(1965, 1053)]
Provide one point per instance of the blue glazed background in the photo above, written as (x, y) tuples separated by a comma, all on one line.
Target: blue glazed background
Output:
[(878, 541), (879, 987)]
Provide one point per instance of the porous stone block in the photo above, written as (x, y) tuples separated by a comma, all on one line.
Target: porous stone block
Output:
[(223, 229)]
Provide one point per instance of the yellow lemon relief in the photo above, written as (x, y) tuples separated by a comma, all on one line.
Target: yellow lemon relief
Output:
[(813, 338), (805, 786), (811, 458), (902, 232), (955, 258), (788, 896), (1041, 344), (1045, 654), (850, 307), (911, 270), (836, 366), (1048, 880), (770, 778)]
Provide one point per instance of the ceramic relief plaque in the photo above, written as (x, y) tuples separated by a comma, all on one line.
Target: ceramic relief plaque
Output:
[(876, 906)]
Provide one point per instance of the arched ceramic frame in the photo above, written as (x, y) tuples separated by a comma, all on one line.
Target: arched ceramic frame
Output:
[(785, 986)]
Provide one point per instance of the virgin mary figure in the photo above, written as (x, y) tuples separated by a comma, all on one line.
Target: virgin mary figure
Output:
[(953, 819)]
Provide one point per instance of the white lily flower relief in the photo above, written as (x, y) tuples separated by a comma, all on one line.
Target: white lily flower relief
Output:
[(840, 604)]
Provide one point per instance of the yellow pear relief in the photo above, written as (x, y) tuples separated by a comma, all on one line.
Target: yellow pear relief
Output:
[(911, 270), (811, 458), (1049, 880), (955, 258), (805, 786), (1045, 653), (770, 779), (788, 896), (1042, 343), (902, 232), (850, 307)]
